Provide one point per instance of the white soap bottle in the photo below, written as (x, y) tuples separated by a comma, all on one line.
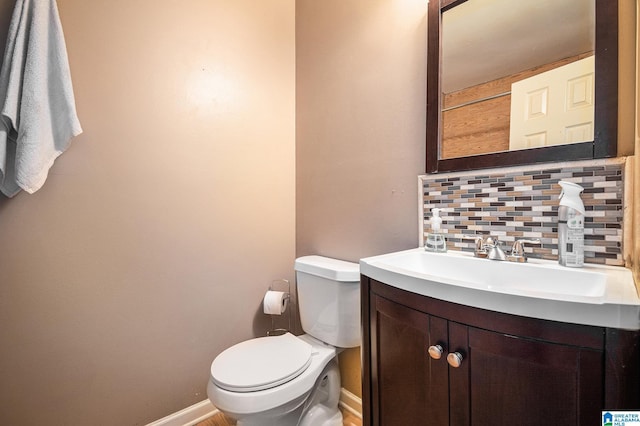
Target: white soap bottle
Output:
[(435, 238), (571, 215)]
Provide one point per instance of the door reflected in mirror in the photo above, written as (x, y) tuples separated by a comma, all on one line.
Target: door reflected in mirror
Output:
[(516, 75)]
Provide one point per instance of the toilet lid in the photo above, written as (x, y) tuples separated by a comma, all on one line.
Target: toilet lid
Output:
[(261, 363)]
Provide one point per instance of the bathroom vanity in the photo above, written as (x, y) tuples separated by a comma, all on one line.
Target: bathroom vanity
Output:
[(484, 354)]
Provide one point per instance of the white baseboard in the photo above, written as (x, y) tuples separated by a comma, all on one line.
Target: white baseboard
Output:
[(205, 409), (350, 402), (188, 416)]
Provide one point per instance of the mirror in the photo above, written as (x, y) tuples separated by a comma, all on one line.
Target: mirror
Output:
[(495, 98), (481, 73)]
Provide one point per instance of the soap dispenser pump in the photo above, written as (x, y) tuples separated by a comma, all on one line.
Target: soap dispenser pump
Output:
[(435, 238), (571, 215)]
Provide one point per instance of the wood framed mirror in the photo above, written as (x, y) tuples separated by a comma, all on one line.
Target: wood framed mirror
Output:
[(605, 94)]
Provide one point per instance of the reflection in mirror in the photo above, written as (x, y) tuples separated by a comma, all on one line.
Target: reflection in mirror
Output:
[(516, 75)]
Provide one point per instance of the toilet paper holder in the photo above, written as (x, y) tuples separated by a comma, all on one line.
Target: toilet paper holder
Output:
[(284, 286)]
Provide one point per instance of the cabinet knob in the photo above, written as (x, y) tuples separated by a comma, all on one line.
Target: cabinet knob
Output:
[(454, 359), (435, 351)]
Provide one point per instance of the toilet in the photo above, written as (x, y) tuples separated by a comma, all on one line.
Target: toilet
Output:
[(292, 380)]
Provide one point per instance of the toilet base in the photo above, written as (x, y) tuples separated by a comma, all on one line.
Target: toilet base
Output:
[(323, 402), (289, 419), (321, 415), (319, 409)]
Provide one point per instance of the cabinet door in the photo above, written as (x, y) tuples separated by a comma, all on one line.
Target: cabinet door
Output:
[(528, 382), (408, 386)]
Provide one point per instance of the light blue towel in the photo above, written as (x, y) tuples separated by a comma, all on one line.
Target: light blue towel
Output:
[(37, 106)]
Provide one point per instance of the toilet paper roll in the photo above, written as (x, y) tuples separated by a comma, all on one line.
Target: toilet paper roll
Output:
[(275, 302)]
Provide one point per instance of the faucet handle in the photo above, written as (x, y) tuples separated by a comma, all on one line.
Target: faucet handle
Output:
[(492, 242), (480, 248), (517, 251)]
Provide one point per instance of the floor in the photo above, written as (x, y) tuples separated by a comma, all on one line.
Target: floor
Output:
[(220, 420)]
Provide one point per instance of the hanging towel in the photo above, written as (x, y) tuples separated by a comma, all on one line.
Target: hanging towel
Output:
[(37, 107)]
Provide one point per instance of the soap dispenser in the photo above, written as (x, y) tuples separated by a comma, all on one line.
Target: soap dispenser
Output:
[(571, 225), (435, 238)]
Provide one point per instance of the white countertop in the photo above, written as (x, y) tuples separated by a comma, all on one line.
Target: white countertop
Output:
[(596, 295)]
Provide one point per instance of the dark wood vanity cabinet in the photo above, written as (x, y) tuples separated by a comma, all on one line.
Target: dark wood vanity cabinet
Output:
[(514, 370), (407, 385)]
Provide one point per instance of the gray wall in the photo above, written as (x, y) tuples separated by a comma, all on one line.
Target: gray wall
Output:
[(360, 133), (150, 246), (148, 250)]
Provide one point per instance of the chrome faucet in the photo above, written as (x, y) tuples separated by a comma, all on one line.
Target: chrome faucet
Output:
[(494, 250), (490, 248)]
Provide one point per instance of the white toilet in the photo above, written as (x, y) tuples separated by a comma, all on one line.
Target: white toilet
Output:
[(292, 380)]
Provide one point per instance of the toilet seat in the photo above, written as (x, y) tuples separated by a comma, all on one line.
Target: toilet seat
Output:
[(261, 363), (236, 403)]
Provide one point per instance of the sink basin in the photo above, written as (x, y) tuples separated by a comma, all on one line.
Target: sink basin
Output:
[(592, 295), (551, 280)]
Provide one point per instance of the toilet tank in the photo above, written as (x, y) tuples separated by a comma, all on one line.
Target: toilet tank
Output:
[(329, 299)]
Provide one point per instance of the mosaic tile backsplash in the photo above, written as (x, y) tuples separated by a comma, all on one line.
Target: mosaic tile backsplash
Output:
[(520, 204)]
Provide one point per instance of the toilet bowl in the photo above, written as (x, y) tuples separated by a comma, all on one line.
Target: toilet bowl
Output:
[(276, 399), (292, 380)]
